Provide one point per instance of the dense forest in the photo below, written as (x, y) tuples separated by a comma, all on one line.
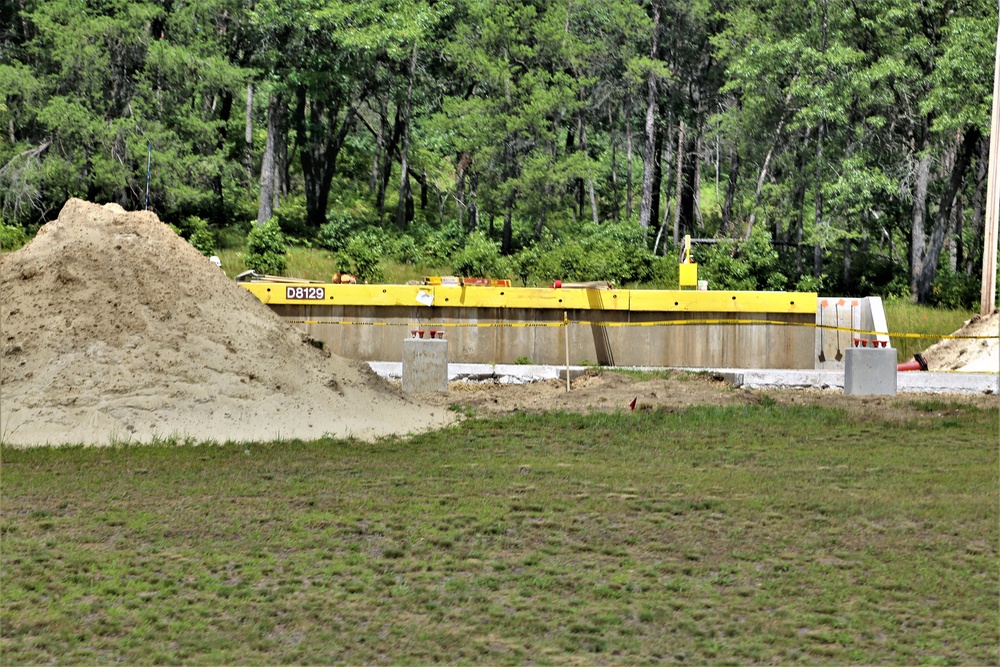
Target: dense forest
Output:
[(830, 144)]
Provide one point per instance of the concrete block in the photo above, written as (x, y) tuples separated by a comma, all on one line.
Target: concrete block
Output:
[(869, 371), (425, 365), (574, 373)]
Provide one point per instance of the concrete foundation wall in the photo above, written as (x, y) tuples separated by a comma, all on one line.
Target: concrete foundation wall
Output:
[(697, 345)]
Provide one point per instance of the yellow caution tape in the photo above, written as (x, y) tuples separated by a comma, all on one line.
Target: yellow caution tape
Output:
[(656, 323)]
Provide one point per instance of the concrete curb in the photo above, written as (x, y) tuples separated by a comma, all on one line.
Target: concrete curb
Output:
[(921, 382)]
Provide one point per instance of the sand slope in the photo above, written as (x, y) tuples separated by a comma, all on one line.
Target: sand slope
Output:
[(969, 355), (114, 328)]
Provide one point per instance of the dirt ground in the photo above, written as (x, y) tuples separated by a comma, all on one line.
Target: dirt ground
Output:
[(604, 390)]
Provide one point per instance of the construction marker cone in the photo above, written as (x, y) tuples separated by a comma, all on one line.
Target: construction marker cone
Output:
[(918, 364), (631, 406)]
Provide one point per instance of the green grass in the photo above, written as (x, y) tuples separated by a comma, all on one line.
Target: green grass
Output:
[(713, 536), (905, 317)]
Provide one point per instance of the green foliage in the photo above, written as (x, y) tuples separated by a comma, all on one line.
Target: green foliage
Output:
[(340, 226), (11, 237), (955, 289), (748, 265), (441, 244), (266, 249), (204, 241), (291, 217), (615, 252), (197, 233), (480, 258), (517, 112), (365, 253)]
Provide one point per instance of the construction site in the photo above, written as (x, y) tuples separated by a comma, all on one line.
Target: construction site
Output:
[(116, 330)]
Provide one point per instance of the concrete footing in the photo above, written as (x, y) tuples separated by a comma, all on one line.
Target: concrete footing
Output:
[(425, 365), (870, 371)]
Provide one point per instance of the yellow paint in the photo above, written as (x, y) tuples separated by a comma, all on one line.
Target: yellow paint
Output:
[(543, 298), (688, 274), (722, 302)]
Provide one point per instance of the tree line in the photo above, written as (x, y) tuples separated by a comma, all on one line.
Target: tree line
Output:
[(851, 137)]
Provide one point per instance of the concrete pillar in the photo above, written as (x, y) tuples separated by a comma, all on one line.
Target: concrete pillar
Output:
[(425, 365), (870, 371)]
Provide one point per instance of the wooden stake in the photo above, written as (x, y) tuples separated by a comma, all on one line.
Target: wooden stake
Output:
[(566, 338), (988, 298)]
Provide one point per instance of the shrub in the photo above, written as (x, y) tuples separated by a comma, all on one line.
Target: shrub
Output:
[(747, 265), (339, 228), (615, 252), (480, 258), (266, 249), (291, 217), (365, 253), (195, 230), (953, 289), (204, 241), (443, 243), (12, 237)]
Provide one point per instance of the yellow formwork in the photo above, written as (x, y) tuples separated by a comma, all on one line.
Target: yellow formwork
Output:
[(534, 297)]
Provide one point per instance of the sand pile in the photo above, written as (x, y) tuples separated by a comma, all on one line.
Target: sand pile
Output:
[(113, 328), (969, 355)]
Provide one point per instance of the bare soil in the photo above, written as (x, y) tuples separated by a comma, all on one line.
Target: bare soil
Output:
[(113, 328), (609, 391)]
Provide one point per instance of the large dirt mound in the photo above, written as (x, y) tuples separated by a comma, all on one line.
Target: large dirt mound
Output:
[(969, 355), (116, 329)]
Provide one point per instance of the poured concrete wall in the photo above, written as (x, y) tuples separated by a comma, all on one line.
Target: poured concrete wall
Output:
[(378, 331)]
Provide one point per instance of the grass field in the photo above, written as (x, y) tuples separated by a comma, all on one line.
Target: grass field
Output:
[(761, 533)]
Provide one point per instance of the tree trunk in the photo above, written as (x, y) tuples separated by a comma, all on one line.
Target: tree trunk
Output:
[(929, 263), (679, 189), (265, 205), (374, 181), (657, 176), (224, 113), (956, 248), (817, 245), (281, 154), (507, 236), (404, 170), (248, 137), (650, 156), (460, 191), (590, 178), (390, 148), (798, 203), (727, 207), (979, 204), (320, 140), (628, 160), (847, 265), (917, 227), (615, 204), (696, 182)]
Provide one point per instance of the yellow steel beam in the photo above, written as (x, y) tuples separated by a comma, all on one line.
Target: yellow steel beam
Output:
[(665, 301), (533, 297)]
